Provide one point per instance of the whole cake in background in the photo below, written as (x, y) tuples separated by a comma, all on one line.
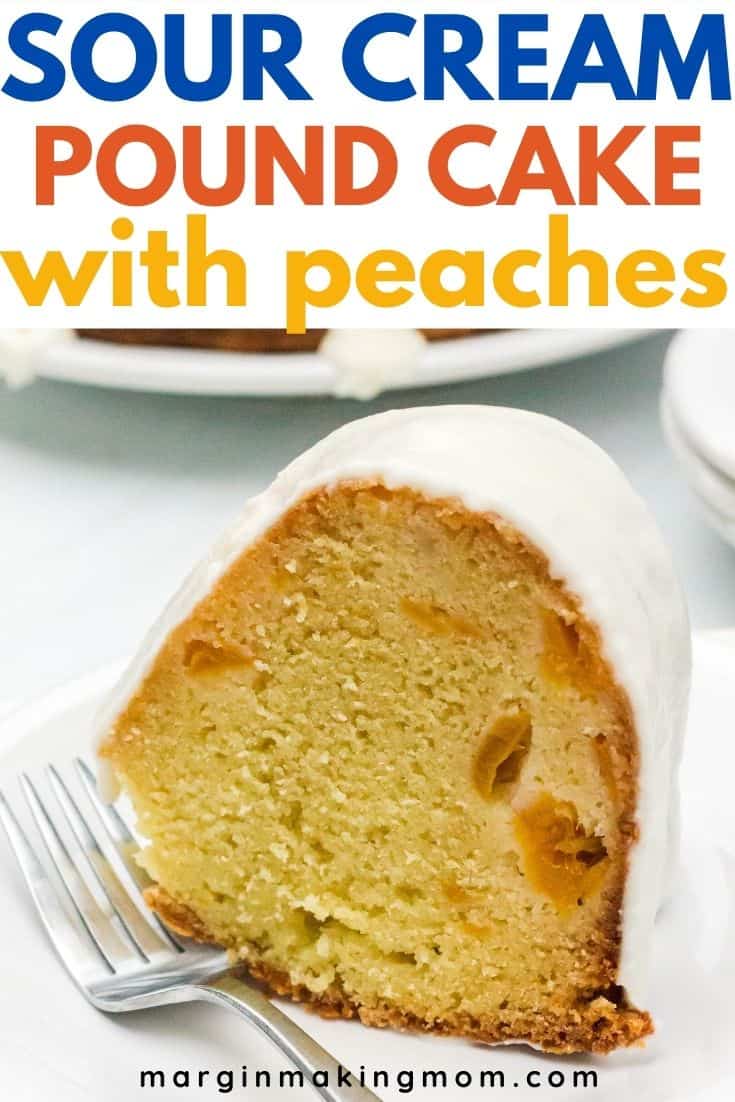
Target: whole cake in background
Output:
[(406, 743), (238, 340), (364, 361)]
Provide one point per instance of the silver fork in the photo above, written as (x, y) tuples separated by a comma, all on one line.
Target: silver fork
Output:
[(115, 949)]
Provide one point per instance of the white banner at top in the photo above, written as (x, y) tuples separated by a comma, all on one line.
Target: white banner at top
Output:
[(337, 163)]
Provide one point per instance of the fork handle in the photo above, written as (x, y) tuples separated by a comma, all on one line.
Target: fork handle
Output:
[(309, 1057)]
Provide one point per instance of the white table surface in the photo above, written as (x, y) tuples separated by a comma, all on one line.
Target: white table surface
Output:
[(107, 498)]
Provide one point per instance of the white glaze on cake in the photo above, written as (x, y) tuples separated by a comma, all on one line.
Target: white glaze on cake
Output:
[(366, 361), (570, 499), (21, 350)]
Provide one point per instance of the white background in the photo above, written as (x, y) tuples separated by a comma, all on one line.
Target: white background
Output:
[(413, 218)]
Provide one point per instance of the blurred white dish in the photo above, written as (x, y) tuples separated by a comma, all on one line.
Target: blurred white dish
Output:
[(717, 489), (698, 416), (58, 1046), (210, 371), (699, 385)]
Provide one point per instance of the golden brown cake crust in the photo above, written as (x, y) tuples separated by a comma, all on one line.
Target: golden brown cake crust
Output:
[(239, 340), (601, 1022), (600, 1026)]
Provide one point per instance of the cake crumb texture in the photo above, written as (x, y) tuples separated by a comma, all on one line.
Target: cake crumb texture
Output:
[(387, 766)]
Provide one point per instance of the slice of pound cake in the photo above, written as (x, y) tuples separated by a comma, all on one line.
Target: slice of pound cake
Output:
[(406, 743)]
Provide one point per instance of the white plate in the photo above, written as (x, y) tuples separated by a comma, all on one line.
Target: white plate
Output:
[(715, 491), (699, 383), (209, 371), (53, 1045)]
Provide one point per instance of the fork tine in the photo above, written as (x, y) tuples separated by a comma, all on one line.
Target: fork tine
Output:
[(134, 921), (123, 842), (80, 954), (99, 926), (116, 826)]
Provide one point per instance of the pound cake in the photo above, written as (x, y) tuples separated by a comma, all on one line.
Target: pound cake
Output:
[(406, 743), (239, 340), (363, 362)]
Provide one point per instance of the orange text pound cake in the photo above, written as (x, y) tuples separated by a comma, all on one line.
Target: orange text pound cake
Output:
[(406, 743)]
